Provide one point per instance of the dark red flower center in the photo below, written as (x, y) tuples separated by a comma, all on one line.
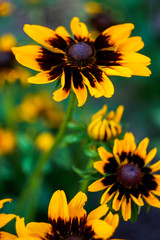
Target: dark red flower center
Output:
[(129, 175), (80, 54)]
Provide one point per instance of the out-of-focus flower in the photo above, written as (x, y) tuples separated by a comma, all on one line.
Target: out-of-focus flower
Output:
[(9, 72), (70, 221), (81, 61), (5, 218), (7, 141), (40, 105), (127, 176), (6, 8), (104, 128), (100, 18), (44, 141)]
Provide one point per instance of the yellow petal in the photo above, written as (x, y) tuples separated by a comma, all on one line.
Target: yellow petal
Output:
[(135, 58), (4, 201), (126, 209), (138, 69), (58, 207), (39, 229), (107, 85), (76, 206), (130, 140), (101, 228), (7, 236), (150, 156), (98, 212), (27, 55), (100, 113), (41, 35), (132, 44), (142, 148), (79, 29), (138, 200), (119, 113), (60, 94), (116, 204), (117, 71), (104, 154), (112, 219), (155, 167), (97, 186), (61, 31), (152, 200), (5, 218)]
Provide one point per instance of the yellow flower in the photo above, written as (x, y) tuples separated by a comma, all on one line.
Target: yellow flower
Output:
[(82, 61), (5, 218), (6, 8), (70, 221), (104, 128), (44, 141), (7, 141), (127, 176), (40, 105)]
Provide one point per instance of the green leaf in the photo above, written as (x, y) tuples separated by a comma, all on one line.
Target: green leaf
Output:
[(72, 138), (148, 208), (135, 210)]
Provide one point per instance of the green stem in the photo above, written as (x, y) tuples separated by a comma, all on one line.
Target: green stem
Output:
[(37, 174), (84, 183)]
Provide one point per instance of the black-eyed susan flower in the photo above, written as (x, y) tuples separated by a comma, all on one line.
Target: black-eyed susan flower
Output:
[(127, 176), (7, 141), (5, 218), (81, 61), (70, 221), (104, 128), (44, 141), (40, 106)]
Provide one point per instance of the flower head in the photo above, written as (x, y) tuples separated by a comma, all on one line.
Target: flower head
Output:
[(7, 141), (81, 61), (5, 218), (40, 105), (6, 8), (44, 141), (104, 128), (127, 176), (70, 221)]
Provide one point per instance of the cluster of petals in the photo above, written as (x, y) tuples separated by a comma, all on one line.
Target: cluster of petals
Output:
[(104, 128)]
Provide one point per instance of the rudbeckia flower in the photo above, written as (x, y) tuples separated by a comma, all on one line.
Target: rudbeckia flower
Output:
[(81, 61), (127, 176), (5, 218), (104, 128), (44, 141), (70, 221), (7, 141)]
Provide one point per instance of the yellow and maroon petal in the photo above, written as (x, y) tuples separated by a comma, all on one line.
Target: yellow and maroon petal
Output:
[(138, 200), (118, 33), (97, 186), (47, 37), (75, 206), (61, 31), (99, 166), (39, 229), (79, 30), (5, 218), (107, 196), (104, 154), (78, 87), (58, 207), (46, 76), (116, 204)]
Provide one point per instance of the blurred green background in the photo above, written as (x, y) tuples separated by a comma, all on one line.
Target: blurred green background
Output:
[(139, 95)]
